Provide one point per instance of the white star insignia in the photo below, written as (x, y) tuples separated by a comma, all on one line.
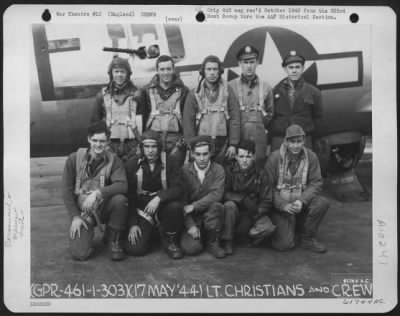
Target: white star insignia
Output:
[(271, 69)]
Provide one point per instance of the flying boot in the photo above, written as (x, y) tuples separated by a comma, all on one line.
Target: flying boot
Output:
[(213, 244), (114, 244), (171, 245)]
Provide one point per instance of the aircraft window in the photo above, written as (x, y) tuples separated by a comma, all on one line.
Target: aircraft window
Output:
[(115, 32), (140, 30), (175, 42)]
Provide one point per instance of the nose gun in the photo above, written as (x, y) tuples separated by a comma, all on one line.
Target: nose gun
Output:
[(153, 51)]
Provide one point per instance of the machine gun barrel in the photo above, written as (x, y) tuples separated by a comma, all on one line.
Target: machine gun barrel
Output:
[(141, 52)]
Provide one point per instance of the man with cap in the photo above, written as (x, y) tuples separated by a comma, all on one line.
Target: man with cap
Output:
[(93, 188), (165, 95), (212, 110), (248, 198), (295, 102), (296, 181), (118, 105), (155, 191), (255, 99), (204, 214)]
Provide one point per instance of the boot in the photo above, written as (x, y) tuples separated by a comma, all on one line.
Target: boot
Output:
[(228, 247), (114, 244), (213, 244), (171, 245), (312, 244)]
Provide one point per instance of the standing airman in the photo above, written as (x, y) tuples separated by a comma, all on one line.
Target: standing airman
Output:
[(295, 102), (212, 110), (255, 98)]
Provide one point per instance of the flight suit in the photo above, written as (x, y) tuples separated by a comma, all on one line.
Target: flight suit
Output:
[(166, 115), (297, 180), (247, 199), (215, 114), (255, 99), (206, 196), (81, 174), (119, 108), (143, 186)]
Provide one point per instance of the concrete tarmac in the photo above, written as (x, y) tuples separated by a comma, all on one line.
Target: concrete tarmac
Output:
[(251, 272)]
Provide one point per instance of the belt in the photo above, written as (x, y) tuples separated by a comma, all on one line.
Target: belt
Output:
[(290, 187), (147, 193), (161, 112), (248, 108), (209, 110)]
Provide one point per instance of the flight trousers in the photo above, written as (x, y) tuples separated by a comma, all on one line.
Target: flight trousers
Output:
[(125, 150), (304, 224), (170, 218), (210, 221), (238, 221), (114, 213)]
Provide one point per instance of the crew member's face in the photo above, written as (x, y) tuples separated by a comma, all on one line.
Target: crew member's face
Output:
[(295, 144), (244, 158), (150, 149), (98, 144), (294, 71), (165, 71), (119, 75), (211, 72), (248, 67), (202, 156)]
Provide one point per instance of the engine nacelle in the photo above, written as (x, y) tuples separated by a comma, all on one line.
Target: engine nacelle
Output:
[(339, 152)]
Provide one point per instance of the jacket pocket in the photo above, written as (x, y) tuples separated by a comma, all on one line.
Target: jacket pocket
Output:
[(308, 99)]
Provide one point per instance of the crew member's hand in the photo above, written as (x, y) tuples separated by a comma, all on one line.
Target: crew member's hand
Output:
[(230, 152), (297, 205), (194, 232), (135, 233), (289, 208), (152, 206), (187, 209), (89, 202), (76, 225)]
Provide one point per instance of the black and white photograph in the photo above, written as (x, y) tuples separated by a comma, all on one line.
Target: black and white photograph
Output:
[(213, 158)]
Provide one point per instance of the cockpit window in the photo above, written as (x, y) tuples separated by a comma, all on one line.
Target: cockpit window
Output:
[(140, 30), (115, 32), (175, 41)]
